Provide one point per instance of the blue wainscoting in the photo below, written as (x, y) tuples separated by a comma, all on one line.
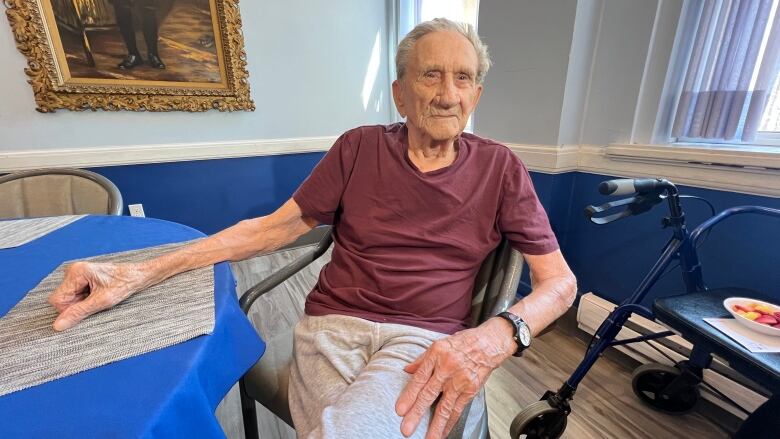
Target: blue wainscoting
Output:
[(608, 260), (211, 195)]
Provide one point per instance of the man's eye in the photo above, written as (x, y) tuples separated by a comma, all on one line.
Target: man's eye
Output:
[(463, 77), (432, 75)]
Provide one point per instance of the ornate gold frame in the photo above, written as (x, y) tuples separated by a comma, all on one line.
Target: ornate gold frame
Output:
[(53, 91)]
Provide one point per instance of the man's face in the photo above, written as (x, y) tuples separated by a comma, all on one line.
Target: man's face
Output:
[(439, 90)]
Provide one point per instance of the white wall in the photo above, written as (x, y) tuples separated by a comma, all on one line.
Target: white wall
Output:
[(529, 42), (618, 64), (307, 65), (575, 72), (583, 46)]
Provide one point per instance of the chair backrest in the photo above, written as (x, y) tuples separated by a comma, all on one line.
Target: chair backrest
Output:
[(496, 283), (495, 286), (52, 192)]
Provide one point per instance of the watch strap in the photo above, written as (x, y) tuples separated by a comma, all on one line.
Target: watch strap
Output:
[(517, 322)]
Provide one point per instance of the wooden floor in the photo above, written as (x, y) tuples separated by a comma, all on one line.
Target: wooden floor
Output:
[(604, 406)]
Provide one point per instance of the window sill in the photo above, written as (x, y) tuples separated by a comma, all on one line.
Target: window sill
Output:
[(734, 157), (750, 170)]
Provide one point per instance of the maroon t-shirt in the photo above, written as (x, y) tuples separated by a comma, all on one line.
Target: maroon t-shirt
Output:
[(408, 244)]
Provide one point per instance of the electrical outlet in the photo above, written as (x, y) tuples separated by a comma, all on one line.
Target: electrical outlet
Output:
[(136, 210)]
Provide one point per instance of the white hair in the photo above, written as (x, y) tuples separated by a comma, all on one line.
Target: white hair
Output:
[(406, 45)]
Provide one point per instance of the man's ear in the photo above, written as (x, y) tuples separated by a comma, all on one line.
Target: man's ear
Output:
[(399, 102), (479, 94)]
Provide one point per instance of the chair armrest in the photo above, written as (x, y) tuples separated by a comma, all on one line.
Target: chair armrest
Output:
[(281, 275), (505, 277)]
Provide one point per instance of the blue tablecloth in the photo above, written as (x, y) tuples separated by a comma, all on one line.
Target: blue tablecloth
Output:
[(172, 392)]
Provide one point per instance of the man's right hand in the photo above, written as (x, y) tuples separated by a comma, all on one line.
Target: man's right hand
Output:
[(92, 287)]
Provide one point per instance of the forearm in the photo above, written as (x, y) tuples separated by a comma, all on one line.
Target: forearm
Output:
[(548, 300), (246, 239)]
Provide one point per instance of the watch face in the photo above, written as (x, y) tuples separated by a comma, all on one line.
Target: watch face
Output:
[(525, 335)]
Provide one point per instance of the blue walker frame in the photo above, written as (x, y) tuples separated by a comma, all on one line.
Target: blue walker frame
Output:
[(682, 246)]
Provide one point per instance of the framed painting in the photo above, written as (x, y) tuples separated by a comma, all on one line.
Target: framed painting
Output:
[(142, 55)]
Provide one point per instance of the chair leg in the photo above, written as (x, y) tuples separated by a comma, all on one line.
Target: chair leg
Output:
[(84, 38), (248, 413), (87, 48)]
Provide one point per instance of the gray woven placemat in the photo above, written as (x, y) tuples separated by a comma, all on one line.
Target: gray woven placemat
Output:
[(32, 353), (14, 233)]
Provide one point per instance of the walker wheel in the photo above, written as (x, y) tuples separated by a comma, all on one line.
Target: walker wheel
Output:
[(538, 421), (649, 382)]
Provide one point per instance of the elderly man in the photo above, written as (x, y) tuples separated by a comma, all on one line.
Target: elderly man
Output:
[(384, 347)]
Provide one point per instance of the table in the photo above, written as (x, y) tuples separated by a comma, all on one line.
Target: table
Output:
[(172, 392), (685, 314)]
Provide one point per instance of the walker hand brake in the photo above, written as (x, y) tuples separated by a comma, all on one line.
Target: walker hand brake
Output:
[(636, 205)]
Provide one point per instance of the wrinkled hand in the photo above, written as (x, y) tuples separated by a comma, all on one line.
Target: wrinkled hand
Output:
[(455, 367), (91, 287)]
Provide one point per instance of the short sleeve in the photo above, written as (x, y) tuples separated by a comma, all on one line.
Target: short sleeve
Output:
[(319, 196), (521, 217)]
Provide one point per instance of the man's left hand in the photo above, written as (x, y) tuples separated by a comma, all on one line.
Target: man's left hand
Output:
[(455, 367)]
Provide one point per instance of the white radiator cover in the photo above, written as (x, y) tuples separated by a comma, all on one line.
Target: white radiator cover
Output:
[(593, 310)]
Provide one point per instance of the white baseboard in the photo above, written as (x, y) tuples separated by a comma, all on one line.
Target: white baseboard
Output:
[(132, 155), (593, 310), (748, 171), (548, 159)]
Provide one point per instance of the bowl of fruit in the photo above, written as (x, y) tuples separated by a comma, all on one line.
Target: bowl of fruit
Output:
[(757, 315)]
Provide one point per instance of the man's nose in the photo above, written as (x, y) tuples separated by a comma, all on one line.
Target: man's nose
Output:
[(448, 93)]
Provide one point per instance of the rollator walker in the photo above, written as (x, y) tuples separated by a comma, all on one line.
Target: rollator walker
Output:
[(671, 389)]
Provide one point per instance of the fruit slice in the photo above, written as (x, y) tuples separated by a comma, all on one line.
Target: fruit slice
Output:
[(766, 320), (763, 309), (752, 315), (777, 315), (742, 308)]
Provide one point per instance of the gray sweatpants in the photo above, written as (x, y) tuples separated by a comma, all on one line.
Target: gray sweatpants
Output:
[(347, 373)]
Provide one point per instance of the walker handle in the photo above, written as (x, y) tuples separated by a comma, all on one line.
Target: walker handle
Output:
[(626, 186)]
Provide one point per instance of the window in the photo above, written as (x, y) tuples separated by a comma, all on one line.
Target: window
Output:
[(730, 85), (459, 10), (769, 131), (412, 12)]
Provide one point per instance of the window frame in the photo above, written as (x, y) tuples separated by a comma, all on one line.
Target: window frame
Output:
[(767, 138)]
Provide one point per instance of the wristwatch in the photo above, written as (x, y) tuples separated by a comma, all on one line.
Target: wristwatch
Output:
[(522, 332)]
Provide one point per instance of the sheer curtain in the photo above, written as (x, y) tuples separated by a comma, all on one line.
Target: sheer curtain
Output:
[(732, 66)]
